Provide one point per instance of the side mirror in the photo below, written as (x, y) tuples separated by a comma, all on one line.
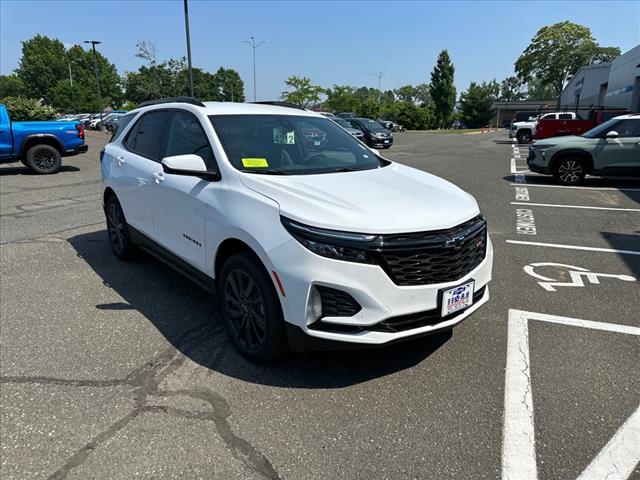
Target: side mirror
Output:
[(189, 165), (611, 134)]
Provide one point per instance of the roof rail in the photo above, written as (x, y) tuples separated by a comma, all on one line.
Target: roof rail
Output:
[(191, 100), (280, 104)]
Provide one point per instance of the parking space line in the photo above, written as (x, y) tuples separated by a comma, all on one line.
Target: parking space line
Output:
[(620, 455), (576, 206), (616, 460), (583, 188), (574, 247)]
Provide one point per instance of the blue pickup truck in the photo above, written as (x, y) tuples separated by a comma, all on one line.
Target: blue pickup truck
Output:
[(39, 145)]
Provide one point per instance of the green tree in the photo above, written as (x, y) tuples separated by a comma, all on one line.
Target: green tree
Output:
[(556, 53), (476, 103), (537, 90), (231, 86), (341, 98), (442, 89), (11, 86), (27, 109), (512, 89), (303, 93), (42, 65)]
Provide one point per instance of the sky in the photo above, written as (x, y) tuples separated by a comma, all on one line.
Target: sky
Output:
[(330, 42)]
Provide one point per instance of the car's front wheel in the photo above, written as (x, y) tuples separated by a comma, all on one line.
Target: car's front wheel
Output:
[(524, 137), (118, 230), (570, 171), (251, 309)]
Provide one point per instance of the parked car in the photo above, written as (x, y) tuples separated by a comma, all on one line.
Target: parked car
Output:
[(524, 131), (347, 126), (564, 124), (612, 148), (347, 115), (375, 135), (328, 243), (107, 119), (39, 145)]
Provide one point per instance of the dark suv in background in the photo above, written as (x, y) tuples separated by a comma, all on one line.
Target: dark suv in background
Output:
[(375, 135)]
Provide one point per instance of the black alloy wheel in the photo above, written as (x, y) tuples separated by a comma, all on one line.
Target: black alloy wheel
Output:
[(117, 229), (246, 308), (43, 159), (570, 171)]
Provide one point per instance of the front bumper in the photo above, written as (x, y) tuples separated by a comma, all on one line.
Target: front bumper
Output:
[(381, 142), (537, 162), (380, 298), (512, 134)]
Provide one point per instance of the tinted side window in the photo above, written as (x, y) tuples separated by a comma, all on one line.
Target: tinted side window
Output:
[(565, 116), (147, 136), (123, 121), (187, 136), (627, 128)]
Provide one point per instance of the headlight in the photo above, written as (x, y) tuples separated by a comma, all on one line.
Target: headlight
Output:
[(347, 246)]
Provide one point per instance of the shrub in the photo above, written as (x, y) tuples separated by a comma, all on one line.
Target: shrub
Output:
[(25, 109)]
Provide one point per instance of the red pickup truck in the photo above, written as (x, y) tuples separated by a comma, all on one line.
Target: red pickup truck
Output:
[(556, 128)]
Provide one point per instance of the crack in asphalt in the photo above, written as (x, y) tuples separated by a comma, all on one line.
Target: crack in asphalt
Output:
[(146, 380), (42, 238)]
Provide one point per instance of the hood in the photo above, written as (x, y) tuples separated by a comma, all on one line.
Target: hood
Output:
[(392, 199), (558, 140)]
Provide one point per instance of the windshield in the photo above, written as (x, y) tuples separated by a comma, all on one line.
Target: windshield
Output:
[(290, 145), (372, 125), (601, 129), (342, 122)]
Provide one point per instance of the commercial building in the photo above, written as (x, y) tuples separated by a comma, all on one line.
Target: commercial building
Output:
[(609, 85)]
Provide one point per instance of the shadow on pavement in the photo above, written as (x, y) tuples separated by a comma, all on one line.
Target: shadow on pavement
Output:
[(175, 307), (21, 170), (507, 142), (627, 241)]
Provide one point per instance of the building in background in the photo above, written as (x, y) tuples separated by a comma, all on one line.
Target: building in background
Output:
[(607, 85)]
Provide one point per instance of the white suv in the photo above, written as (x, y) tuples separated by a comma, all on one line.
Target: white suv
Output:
[(304, 232)]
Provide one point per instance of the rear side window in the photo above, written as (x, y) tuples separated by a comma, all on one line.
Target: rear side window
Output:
[(187, 136), (123, 121), (147, 135), (565, 116)]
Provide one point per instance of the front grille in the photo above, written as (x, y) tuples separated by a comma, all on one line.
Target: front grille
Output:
[(417, 320), (336, 303), (441, 256)]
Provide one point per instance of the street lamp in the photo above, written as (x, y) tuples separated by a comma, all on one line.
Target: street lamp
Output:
[(95, 67), (186, 26), (254, 45), (379, 75)]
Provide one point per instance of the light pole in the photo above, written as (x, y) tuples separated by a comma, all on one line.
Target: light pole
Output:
[(379, 75), (70, 76), (186, 26), (95, 67), (254, 45)]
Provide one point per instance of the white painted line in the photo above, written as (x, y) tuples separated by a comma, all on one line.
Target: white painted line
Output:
[(513, 165), (518, 434), (583, 188), (616, 460), (575, 247), (619, 457), (576, 206)]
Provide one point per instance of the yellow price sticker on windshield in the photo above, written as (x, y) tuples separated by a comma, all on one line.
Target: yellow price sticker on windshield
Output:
[(254, 162)]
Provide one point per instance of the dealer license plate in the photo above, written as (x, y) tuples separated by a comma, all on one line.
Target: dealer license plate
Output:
[(457, 298)]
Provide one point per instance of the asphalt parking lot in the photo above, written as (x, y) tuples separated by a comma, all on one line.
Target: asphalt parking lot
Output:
[(122, 370)]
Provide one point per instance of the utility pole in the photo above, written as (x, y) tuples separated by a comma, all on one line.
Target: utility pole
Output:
[(254, 45), (70, 76), (95, 67), (186, 26), (379, 75)]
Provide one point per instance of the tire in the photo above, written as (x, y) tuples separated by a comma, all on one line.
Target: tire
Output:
[(251, 309), (118, 230), (524, 137), (569, 171), (43, 159)]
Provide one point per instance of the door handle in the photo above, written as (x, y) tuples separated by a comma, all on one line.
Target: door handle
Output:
[(158, 177), (120, 161)]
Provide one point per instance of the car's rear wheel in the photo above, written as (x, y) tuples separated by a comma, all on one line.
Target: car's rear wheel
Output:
[(251, 309), (118, 230), (524, 137), (570, 171), (43, 159)]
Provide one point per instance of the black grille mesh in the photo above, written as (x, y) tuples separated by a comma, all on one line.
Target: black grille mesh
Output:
[(434, 257), (336, 303)]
